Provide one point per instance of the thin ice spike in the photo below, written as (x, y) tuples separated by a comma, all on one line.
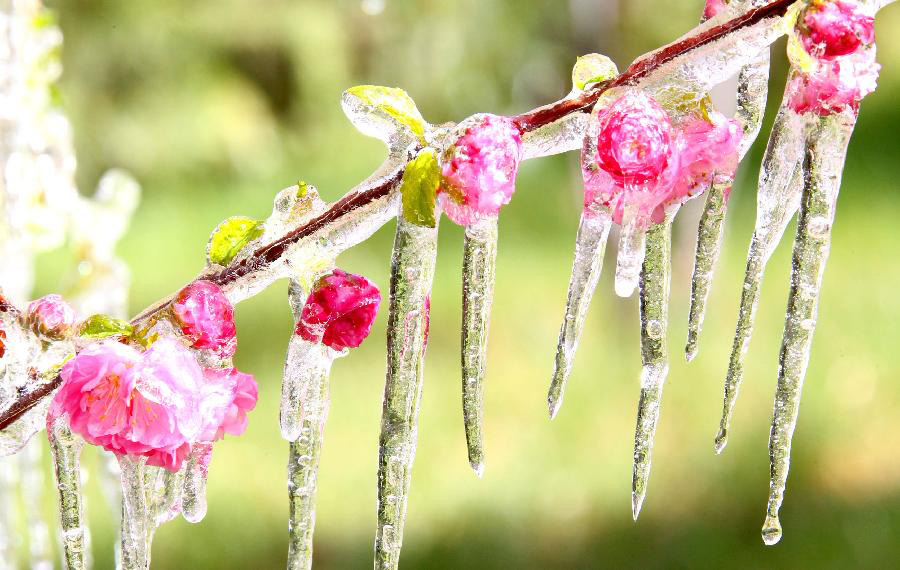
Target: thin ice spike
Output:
[(479, 271), (630, 256), (193, 499), (590, 245), (135, 550), (65, 450), (752, 92), (654, 306), (823, 165), (412, 272), (709, 245), (778, 197)]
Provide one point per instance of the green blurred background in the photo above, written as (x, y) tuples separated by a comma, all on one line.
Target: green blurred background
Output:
[(216, 105)]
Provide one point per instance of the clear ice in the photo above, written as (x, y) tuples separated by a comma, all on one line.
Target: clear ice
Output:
[(590, 244), (778, 196), (479, 271), (136, 523), (654, 305), (193, 499), (823, 164), (412, 273), (65, 449), (632, 240)]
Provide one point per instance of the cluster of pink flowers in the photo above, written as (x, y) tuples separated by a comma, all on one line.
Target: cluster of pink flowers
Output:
[(159, 403), (50, 317), (839, 37), (637, 163), (340, 311), (155, 404), (206, 317), (478, 173)]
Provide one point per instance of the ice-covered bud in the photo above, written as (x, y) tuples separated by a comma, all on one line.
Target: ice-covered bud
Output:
[(478, 173), (133, 404), (51, 317), (707, 146), (836, 86), (634, 142), (227, 396), (339, 311), (206, 317), (833, 28), (713, 7)]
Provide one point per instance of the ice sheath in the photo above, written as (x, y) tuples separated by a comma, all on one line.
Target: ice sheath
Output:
[(135, 552), (412, 273), (479, 271), (304, 410), (778, 196), (590, 245), (752, 91), (655, 279), (65, 448), (823, 164)]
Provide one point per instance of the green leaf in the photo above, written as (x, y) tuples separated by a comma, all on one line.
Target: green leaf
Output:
[(592, 68), (419, 186), (392, 106), (102, 326), (230, 237)]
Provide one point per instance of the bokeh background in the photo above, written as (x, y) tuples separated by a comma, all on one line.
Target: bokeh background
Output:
[(216, 105)]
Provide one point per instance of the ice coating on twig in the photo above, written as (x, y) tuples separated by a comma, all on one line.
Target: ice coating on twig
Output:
[(823, 164), (135, 552), (412, 272), (654, 306), (65, 448), (590, 244), (479, 272)]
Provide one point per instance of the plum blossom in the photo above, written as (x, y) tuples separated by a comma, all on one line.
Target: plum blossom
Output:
[(637, 162), (339, 311), (839, 38), (156, 404), (478, 173), (713, 7), (206, 317), (51, 317)]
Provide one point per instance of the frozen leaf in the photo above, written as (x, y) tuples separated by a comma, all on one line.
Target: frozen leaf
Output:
[(419, 186), (383, 112), (102, 326), (230, 237), (592, 68)]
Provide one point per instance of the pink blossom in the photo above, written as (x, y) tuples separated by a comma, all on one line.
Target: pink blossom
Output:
[(2, 342), (836, 28), (836, 86), (227, 397), (340, 311), (479, 171), (206, 317), (713, 7), (639, 164), (133, 404), (51, 317)]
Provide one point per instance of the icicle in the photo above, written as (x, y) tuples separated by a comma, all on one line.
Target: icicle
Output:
[(65, 448), (304, 410), (654, 298), (8, 522), (780, 183), (823, 163), (752, 91), (170, 503), (479, 271), (135, 551), (193, 501), (590, 245), (32, 491), (412, 272), (631, 256), (709, 245), (307, 366)]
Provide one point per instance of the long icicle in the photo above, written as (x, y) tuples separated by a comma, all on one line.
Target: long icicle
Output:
[(479, 271), (32, 492), (630, 257), (654, 302), (196, 470), (778, 196), (752, 92), (590, 245), (823, 165), (65, 449), (135, 552), (305, 402), (412, 272)]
